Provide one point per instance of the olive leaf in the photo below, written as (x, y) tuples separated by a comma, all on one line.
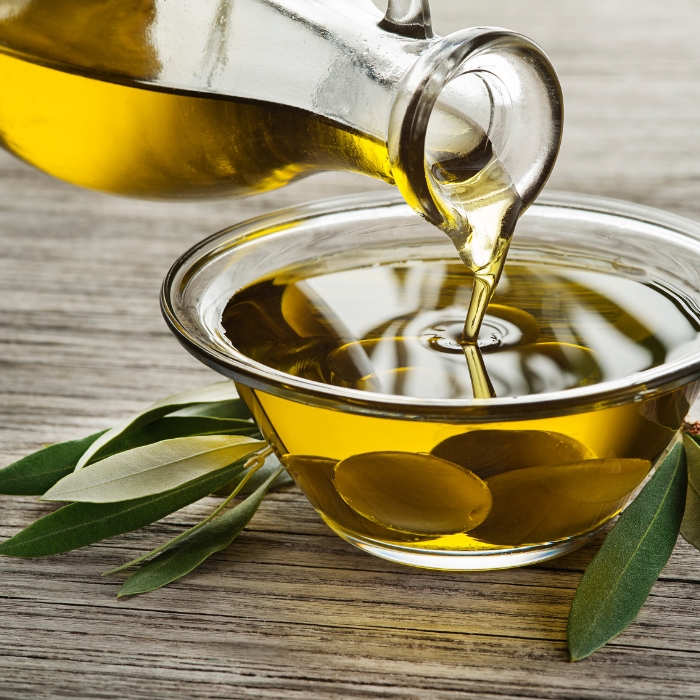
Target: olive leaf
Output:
[(152, 469), (34, 474), (80, 524), (253, 466), (618, 580), (171, 427), (213, 393), (191, 551), (690, 527), (243, 484)]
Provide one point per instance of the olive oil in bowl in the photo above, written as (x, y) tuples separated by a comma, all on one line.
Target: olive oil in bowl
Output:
[(396, 329), (342, 324)]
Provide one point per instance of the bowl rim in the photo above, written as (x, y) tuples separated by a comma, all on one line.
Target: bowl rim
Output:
[(636, 387)]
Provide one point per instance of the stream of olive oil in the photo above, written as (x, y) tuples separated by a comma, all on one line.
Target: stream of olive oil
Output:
[(480, 207), (480, 213)]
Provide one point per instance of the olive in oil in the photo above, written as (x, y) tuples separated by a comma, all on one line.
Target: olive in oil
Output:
[(396, 329)]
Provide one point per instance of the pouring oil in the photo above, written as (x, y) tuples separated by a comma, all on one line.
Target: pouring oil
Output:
[(71, 112), (395, 329), (400, 329)]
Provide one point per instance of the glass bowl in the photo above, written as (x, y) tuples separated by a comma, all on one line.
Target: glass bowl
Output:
[(566, 461)]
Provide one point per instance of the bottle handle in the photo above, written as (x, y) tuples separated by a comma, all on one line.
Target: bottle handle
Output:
[(511, 86)]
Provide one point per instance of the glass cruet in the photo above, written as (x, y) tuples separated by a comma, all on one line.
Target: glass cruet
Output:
[(183, 99)]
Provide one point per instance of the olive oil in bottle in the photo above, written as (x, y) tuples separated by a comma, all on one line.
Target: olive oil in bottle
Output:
[(129, 140), (83, 100)]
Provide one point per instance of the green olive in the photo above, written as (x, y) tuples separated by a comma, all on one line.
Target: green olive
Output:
[(415, 493)]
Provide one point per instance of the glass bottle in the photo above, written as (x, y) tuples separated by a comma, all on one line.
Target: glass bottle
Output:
[(186, 99)]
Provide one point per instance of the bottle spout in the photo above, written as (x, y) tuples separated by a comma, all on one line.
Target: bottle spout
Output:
[(503, 91), (409, 18)]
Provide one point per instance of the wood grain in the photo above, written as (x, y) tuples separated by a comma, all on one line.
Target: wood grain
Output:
[(290, 610)]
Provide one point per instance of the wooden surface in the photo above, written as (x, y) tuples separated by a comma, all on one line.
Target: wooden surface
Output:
[(290, 610)]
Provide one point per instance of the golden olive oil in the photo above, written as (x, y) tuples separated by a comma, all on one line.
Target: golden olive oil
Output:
[(396, 329), (128, 140)]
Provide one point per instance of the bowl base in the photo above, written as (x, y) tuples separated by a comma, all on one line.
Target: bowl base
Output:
[(456, 560)]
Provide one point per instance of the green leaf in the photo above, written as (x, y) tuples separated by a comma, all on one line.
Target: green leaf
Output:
[(690, 527), (81, 524), (213, 393), (243, 484), (178, 426), (152, 469), (193, 550), (253, 466), (271, 465), (36, 473), (618, 580), (692, 450)]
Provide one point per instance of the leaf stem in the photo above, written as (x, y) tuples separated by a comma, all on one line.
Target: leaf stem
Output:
[(253, 464)]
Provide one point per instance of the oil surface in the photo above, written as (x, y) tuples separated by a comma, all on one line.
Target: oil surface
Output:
[(395, 329)]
